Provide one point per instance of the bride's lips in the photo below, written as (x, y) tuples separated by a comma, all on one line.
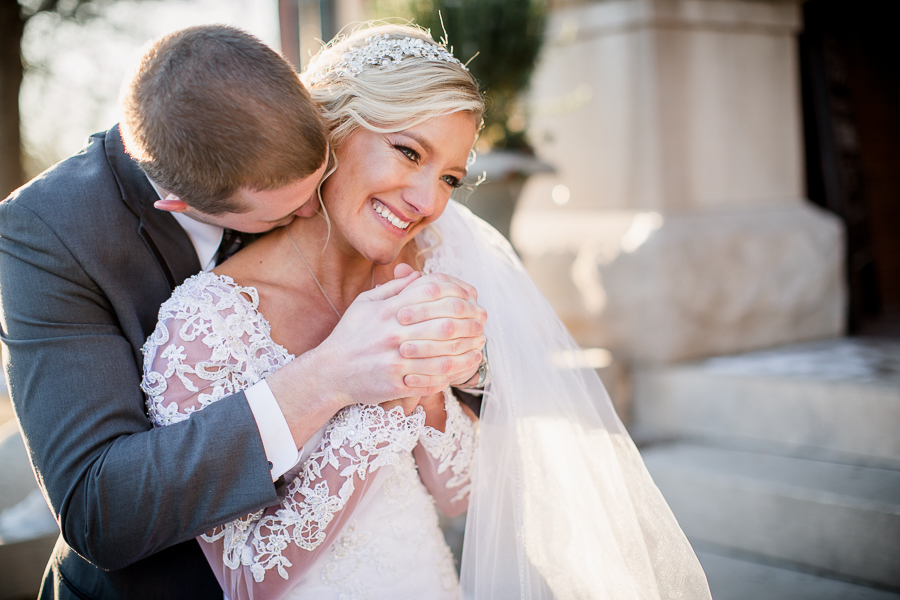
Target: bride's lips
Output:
[(389, 216)]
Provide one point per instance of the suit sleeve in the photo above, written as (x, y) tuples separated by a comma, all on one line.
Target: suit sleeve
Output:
[(119, 489)]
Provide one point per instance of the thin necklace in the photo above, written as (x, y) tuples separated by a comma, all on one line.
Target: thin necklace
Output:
[(316, 279)]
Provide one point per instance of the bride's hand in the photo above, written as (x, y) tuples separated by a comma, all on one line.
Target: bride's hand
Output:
[(446, 327)]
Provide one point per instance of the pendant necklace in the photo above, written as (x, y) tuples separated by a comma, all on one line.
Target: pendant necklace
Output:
[(316, 279)]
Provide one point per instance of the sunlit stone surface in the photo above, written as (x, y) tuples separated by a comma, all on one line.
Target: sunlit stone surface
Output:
[(674, 128), (658, 287)]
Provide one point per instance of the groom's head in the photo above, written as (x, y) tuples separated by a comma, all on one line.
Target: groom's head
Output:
[(220, 120)]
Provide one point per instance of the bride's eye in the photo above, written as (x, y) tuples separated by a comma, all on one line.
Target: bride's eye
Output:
[(408, 152), (454, 182)]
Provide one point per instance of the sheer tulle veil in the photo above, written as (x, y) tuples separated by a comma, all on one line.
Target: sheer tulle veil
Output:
[(562, 506)]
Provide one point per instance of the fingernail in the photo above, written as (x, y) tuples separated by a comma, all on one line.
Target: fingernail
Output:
[(405, 316)]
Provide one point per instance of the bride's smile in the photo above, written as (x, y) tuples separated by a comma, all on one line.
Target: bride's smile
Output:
[(389, 186), (389, 216)]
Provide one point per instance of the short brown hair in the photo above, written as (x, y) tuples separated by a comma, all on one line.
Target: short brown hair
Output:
[(211, 109)]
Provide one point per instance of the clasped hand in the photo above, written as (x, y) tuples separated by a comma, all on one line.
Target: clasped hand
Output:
[(409, 338)]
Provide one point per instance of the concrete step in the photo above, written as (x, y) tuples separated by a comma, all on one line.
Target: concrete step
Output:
[(836, 518), (737, 578), (837, 400)]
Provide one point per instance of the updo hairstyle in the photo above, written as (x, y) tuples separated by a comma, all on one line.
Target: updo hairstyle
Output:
[(389, 99)]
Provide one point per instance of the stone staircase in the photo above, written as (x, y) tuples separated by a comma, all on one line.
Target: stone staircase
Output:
[(783, 466)]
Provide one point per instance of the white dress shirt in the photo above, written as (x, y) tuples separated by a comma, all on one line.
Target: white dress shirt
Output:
[(281, 451)]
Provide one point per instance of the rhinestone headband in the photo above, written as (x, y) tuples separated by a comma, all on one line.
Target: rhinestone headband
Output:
[(383, 52)]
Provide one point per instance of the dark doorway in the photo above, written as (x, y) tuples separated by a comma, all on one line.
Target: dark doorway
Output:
[(850, 66)]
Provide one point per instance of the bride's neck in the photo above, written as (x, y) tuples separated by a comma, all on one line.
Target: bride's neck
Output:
[(343, 273)]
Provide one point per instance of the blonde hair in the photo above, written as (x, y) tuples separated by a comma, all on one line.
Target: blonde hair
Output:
[(388, 99)]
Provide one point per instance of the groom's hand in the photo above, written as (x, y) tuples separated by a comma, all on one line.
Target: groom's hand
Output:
[(428, 348), (444, 329), (439, 329), (361, 360)]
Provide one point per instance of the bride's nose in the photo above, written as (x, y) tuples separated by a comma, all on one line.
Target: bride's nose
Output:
[(422, 196)]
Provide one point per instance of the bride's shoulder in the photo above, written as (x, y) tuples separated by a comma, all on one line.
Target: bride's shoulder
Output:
[(214, 307), (208, 290)]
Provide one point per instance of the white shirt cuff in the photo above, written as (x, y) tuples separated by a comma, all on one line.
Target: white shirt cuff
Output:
[(276, 436)]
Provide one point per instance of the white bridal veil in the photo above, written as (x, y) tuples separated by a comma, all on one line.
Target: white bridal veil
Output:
[(562, 506)]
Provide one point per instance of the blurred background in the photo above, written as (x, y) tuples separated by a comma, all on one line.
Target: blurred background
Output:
[(708, 192)]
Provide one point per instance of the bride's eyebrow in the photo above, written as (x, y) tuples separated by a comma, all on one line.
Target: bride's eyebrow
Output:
[(430, 150)]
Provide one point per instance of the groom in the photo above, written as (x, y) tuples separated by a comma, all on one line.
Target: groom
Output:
[(217, 133)]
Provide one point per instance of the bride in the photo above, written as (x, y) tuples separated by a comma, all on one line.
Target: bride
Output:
[(559, 502)]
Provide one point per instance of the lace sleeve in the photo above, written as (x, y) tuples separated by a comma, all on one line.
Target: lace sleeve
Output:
[(445, 458), (210, 342), (289, 538)]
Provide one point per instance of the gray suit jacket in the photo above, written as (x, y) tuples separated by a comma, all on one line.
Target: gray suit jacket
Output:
[(85, 263)]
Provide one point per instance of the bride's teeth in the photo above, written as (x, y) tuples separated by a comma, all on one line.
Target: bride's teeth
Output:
[(389, 216)]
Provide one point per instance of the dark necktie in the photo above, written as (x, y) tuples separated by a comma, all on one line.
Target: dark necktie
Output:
[(231, 242)]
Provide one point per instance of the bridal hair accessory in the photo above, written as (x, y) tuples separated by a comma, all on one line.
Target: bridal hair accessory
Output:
[(383, 51)]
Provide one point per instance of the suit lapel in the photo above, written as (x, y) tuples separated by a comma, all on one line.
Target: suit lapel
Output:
[(160, 231)]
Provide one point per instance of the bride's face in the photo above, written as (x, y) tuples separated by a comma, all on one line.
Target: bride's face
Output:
[(389, 186)]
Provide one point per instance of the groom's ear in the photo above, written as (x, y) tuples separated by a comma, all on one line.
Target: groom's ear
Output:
[(172, 203)]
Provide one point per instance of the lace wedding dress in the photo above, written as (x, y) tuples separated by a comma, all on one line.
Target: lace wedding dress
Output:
[(561, 507), (357, 521)]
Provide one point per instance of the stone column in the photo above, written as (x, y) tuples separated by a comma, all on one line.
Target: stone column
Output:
[(675, 226)]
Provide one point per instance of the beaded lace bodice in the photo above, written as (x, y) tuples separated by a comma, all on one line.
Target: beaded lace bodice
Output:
[(211, 341)]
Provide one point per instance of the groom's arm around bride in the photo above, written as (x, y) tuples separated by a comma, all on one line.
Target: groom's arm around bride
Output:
[(85, 263)]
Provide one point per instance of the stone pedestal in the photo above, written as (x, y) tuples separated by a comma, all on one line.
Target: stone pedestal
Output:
[(675, 225), (660, 287)]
